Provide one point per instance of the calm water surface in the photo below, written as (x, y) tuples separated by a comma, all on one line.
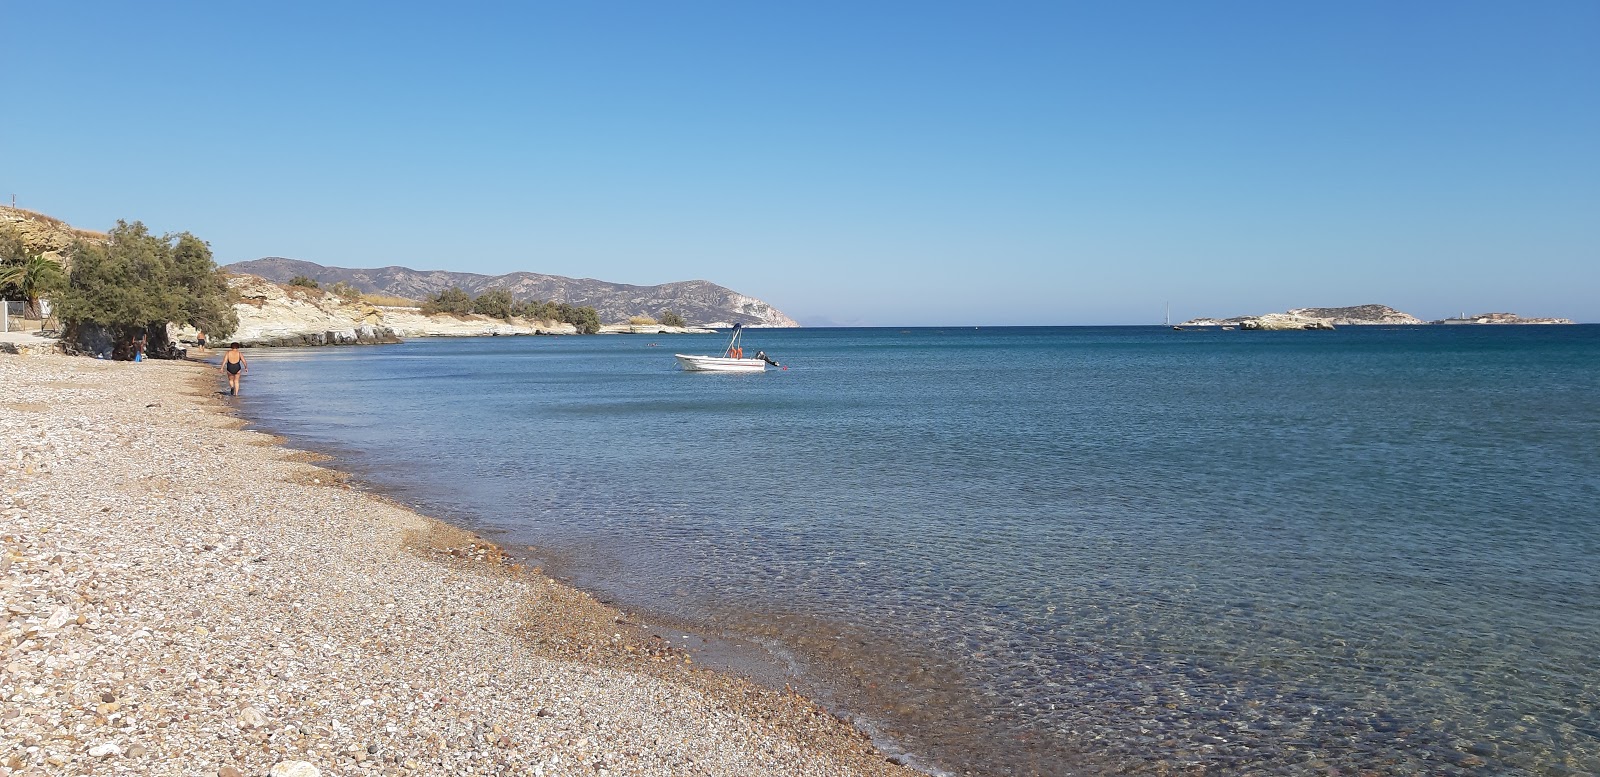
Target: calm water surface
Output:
[(1054, 550)]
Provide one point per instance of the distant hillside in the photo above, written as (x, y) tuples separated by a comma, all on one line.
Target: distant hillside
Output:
[(699, 302)]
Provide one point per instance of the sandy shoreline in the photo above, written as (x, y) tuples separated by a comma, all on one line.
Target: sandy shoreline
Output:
[(182, 596)]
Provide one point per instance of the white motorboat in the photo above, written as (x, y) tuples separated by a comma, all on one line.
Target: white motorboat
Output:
[(718, 364), (731, 360)]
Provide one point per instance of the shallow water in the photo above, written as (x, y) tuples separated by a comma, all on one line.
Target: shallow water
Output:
[(1055, 550)]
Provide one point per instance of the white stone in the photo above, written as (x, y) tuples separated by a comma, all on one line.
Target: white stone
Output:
[(250, 717), (294, 769), (58, 618), (107, 749)]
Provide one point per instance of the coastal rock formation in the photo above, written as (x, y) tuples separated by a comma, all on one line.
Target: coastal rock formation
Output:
[(1502, 318), (44, 235), (1284, 321), (1315, 318), (699, 302), (274, 315), (654, 329)]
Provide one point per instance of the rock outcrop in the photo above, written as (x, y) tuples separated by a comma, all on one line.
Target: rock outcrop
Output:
[(699, 302), (44, 235), (1273, 322), (271, 314)]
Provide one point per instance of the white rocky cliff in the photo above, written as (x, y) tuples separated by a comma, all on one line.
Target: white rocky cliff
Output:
[(271, 314)]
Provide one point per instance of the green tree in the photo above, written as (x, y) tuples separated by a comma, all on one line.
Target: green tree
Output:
[(669, 318), (301, 280), (585, 319), (136, 283), (494, 302), (451, 300), (206, 302), (30, 277)]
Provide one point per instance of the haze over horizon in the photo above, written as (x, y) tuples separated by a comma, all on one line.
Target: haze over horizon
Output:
[(887, 163)]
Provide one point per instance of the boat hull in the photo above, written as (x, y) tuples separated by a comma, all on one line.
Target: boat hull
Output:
[(718, 364)]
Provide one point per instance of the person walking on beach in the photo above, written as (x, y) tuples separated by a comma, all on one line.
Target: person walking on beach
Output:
[(233, 364)]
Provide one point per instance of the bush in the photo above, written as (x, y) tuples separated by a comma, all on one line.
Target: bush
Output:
[(135, 283), (585, 319), (346, 292), (641, 321), (451, 300), (669, 318), (301, 280), (543, 311), (494, 302)]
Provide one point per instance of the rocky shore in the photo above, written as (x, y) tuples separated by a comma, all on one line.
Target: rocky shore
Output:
[(273, 314), (185, 597)]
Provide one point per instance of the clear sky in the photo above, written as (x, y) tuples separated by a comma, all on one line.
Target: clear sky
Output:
[(881, 163)]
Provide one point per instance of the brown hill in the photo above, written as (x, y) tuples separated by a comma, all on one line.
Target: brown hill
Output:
[(699, 302)]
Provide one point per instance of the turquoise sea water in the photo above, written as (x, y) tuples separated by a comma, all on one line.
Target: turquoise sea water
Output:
[(1054, 550)]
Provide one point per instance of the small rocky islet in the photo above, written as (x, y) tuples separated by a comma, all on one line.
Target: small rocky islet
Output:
[(1354, 315)]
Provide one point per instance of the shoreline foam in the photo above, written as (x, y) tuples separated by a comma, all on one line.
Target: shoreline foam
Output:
[(188, 597)]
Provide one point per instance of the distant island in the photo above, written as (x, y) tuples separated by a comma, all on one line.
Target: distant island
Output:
[(1356, 315)]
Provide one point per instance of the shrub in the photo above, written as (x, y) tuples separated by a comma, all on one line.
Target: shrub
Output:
[(669, 318), (346, 292), (543, 311), (585, 319), (494, 302), (301, 280), (641, 321), (451, 300)]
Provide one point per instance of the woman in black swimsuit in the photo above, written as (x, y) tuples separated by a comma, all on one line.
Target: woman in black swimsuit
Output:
[(233, 363)]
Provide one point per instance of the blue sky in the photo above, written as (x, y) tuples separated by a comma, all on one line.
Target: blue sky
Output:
[(879, 163)]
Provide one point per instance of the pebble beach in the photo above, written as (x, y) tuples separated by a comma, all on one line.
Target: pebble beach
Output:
[(184, 596)]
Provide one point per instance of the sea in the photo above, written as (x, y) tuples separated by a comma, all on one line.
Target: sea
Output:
[(1054, 550)]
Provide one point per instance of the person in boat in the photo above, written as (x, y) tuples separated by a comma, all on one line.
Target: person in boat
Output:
[(762, 355)]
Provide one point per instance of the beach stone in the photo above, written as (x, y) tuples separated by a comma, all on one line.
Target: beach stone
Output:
[(250, 717), (105, 750), (58, 618), (229, 771), (294, 769)]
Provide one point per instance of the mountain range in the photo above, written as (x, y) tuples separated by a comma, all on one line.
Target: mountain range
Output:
[(699, 302)]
